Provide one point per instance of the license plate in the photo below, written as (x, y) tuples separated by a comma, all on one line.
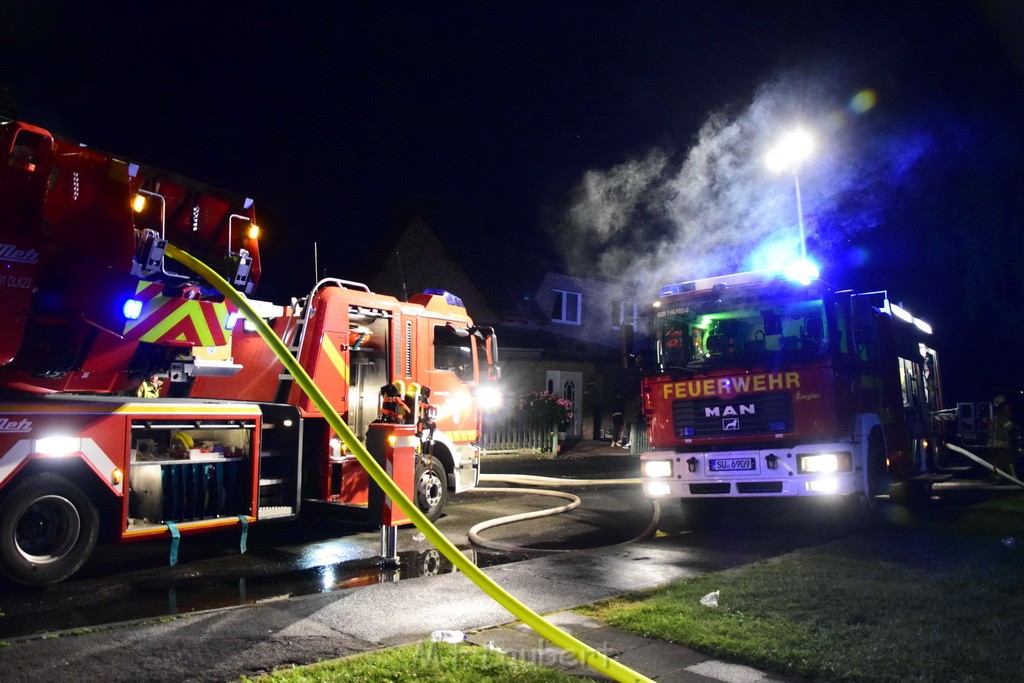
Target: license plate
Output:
[(731, 464)]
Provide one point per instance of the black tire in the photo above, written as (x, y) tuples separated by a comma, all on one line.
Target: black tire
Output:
[(866, 509), (48, 529), (878, 474), (431, 488)]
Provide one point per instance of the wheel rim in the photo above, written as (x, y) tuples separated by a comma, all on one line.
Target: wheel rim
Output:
[(430, 488), (47, 530)]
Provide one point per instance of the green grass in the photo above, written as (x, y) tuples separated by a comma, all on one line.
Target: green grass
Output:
[(941, 602), (938, 601), (428, 662)]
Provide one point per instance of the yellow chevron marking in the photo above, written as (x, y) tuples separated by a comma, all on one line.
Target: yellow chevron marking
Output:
[(334, 355), (191, 310)]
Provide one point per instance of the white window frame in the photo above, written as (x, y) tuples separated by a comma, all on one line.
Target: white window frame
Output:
[(566, 308), (623, 308)]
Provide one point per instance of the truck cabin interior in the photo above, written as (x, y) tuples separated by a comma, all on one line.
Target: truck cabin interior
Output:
[(755, 329)]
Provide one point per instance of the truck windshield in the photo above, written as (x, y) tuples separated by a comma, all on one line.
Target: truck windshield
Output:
[(713, 331)]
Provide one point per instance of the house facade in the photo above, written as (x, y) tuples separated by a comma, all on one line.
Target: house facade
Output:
[(556, 332)]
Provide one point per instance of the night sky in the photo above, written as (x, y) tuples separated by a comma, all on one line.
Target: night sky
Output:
[(619, 140)]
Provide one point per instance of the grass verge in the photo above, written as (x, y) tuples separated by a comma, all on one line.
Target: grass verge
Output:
[(434, 662), (940, 602)]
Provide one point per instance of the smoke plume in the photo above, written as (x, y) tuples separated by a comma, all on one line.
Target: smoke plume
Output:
[(659, 219)]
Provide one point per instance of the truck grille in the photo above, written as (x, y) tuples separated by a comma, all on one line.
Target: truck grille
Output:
[(769, 413)]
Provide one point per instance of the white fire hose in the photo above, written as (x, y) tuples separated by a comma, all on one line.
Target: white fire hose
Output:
[(532, 480), (991, 468)]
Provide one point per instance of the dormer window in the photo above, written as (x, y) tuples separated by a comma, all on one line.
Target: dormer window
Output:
[(567, 307)]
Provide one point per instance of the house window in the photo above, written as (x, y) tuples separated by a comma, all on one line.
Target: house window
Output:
[(566, 308), (623, 312)]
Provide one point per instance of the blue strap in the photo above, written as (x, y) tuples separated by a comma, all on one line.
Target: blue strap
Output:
[(175, 537), (245, 533)]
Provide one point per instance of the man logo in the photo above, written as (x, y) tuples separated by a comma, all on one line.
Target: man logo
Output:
[(726, 411), (731, 425)]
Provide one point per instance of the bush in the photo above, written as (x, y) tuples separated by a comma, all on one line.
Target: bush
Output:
[(547, 408)]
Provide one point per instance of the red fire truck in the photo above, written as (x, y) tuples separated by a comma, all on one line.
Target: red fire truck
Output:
[(761, 386), (90, 307)]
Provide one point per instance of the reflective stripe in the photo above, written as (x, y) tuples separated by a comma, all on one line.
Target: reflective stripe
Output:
[(139, 408), (13, 458), (102, 463), (93, 454), (334, 355), (389, 468), (462, 435)]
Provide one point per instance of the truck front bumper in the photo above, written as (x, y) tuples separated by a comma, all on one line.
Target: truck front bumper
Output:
[(828, 469)]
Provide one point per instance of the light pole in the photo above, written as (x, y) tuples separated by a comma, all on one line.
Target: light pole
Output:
[(791, 150)]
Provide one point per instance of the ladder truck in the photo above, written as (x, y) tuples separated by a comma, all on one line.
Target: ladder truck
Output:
[(90, 306)]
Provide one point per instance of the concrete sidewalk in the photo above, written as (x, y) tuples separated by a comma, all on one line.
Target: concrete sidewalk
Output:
[(222, 645)]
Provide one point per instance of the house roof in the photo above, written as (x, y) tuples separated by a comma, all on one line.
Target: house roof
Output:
[(518, 342)]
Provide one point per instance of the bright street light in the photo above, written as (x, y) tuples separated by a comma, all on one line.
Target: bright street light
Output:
[(787, 155)]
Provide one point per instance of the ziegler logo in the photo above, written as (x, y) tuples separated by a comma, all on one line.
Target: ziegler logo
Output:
[(11, 427), (9, 252), (729, 411)]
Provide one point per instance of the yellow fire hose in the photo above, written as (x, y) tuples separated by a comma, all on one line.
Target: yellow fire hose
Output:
[(596, 660)]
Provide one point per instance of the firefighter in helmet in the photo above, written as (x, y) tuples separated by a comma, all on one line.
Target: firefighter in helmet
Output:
[(1002, 426), (150, 387)]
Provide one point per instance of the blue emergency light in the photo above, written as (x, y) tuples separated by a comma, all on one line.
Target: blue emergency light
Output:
[(132, 309), (448, 296)]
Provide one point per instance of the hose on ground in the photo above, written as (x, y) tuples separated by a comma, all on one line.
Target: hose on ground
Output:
[(532, 480), (991, 468)]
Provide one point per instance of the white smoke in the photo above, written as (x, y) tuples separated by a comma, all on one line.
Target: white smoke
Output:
[(720, 209)]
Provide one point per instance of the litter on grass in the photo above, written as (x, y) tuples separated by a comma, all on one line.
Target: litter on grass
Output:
[(710, 600)]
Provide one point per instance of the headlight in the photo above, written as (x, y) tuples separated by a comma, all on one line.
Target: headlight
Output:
[(657, 489), (489, 398), (56, 446), (824, 463), (657, 468), (823, 485)]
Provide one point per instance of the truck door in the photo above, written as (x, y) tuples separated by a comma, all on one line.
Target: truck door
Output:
[(368, 372)]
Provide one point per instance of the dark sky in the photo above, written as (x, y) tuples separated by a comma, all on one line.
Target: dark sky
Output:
[(616, 137)]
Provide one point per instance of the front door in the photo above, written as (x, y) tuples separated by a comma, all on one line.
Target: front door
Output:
[(569, 385)]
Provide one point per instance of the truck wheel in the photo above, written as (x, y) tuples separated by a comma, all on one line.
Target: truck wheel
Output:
[(48, 529), (431, 488)]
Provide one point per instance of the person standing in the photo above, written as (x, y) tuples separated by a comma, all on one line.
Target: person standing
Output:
[(618, 408), (1002, 425), (632, 417)]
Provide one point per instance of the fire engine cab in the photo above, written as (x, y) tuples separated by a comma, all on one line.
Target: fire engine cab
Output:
[(90, 306), (762, 386)]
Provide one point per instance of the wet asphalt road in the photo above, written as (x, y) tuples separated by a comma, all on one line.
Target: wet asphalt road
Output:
[(134, 581)]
